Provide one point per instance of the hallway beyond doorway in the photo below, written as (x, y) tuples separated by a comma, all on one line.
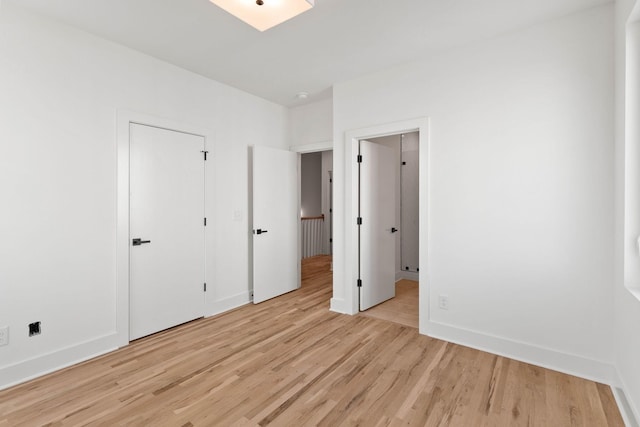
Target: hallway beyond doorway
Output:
[(316, 269)]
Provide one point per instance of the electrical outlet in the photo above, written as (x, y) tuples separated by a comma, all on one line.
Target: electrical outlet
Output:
[(4, 335), (34, 329), (443, 302)]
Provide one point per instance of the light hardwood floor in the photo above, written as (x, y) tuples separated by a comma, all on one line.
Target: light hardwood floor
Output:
[(402, 309), (292, 362)]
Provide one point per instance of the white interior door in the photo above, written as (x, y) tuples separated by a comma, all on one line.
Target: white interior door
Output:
[(167, 215), (275, 222), (378, 213)]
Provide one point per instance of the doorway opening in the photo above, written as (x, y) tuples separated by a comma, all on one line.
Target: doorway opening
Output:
[(346, 291), (316, 213), (395, 208)]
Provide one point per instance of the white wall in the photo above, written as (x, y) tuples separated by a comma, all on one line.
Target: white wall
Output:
[(312, 123), (520, 188), (60, 90), (627, 191)]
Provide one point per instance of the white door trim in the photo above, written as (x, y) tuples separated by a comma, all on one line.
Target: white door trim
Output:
[(123, 120), (350, 275)]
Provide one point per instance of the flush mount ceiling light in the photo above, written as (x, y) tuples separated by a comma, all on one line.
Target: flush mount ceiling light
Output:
[(264, 14)]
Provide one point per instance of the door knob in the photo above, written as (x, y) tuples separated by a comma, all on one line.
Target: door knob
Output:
[(393, 229), (138, 242), (260, 231)]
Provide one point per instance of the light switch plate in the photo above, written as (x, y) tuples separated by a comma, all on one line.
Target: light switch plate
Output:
[(443, 302), (4, 335)]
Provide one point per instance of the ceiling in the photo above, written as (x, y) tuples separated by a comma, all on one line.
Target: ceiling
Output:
[(337, 40)]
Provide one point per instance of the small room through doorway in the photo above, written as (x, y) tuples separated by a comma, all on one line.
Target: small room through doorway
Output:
[(403, 308)]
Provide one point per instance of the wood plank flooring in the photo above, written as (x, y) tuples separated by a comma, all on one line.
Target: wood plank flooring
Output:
[(402, 309), (292, 362)]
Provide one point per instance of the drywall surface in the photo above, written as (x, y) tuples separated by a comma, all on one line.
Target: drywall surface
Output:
[(61, 90), (520, 197), (312, 123)]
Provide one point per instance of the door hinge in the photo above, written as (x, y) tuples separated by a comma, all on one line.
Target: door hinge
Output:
[(359, 283), (205, 287), (359, 158), (205, 222), (359, 220), (205, 152)]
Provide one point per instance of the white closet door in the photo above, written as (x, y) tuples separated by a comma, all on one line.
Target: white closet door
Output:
[(167, 216), (378, 213)]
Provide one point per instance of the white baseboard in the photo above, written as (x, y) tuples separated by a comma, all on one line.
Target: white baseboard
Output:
[(551, 359), (629, 412), (408, 275), (41, 365), (570, 364), (229, 303)]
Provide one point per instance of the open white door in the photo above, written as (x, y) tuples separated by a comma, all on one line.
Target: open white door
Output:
[(275, 223), (378, 217), (167, 219)]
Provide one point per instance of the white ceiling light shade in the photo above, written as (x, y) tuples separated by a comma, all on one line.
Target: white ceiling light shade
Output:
[(264, 14)]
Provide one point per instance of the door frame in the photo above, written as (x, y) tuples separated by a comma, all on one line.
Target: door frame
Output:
[(124, 118), (350, 304)]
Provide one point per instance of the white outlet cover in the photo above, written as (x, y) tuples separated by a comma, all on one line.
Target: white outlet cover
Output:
[(443, 302)]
